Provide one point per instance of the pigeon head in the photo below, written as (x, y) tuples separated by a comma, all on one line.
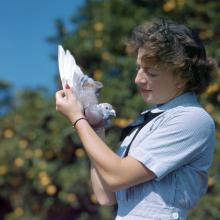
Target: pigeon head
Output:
[(107, 110)]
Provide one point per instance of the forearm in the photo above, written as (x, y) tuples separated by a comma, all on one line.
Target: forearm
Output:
[(102, 157), (100, 132), (104, 196)]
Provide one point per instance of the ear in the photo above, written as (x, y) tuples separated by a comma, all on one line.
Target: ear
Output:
[(181, 83)]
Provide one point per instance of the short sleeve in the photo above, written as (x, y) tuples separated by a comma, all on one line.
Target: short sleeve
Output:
[(177, 142)]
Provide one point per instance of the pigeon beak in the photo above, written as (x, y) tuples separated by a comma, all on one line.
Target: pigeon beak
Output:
[(112, 112)]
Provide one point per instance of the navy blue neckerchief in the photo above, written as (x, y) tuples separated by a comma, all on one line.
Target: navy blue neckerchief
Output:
[(139, 123)]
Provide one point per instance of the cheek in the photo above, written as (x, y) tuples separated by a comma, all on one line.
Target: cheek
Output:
[(164, 82), (157, 84), (162, 88)]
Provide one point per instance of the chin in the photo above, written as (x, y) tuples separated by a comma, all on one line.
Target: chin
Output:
[(149, 100)]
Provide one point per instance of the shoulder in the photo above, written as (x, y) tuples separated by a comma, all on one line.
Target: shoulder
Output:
[(191, 117)]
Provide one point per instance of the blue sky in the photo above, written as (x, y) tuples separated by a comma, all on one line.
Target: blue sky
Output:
[(25, 55)]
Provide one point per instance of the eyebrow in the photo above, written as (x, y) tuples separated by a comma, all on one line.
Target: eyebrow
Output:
[(143, 67)]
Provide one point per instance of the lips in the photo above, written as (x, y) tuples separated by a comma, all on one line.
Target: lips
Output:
[(145, 90)]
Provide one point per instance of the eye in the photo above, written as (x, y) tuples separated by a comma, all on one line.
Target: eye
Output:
[(150, 73), (153, 75)]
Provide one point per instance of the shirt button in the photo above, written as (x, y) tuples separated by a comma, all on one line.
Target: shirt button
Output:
[(175, 215)]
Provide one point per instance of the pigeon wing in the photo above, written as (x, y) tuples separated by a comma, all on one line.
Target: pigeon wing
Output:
[(70, 73), (85, 88)]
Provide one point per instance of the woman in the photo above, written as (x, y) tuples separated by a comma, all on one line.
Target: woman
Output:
[(161, 168)]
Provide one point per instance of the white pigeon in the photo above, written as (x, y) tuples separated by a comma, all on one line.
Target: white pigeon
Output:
[(85, 88)]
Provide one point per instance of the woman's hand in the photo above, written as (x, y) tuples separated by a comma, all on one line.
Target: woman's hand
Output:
[(68, 105)]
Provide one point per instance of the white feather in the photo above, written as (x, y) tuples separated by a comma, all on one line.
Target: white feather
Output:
[(70, 72), (69, 68), (61, 58)]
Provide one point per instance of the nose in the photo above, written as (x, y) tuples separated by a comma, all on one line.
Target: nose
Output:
[(140, 77)]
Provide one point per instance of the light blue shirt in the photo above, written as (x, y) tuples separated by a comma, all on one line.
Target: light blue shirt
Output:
[(178, 146)]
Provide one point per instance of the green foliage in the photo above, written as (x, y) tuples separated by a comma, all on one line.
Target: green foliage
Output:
[(43, 169), (44, 172)]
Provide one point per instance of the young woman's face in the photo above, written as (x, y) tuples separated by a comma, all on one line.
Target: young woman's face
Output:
[(157, 85)]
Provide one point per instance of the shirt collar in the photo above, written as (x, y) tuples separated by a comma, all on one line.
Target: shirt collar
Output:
[(186, 99)]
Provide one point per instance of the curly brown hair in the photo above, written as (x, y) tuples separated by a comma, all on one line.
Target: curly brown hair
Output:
[(178, 46)]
